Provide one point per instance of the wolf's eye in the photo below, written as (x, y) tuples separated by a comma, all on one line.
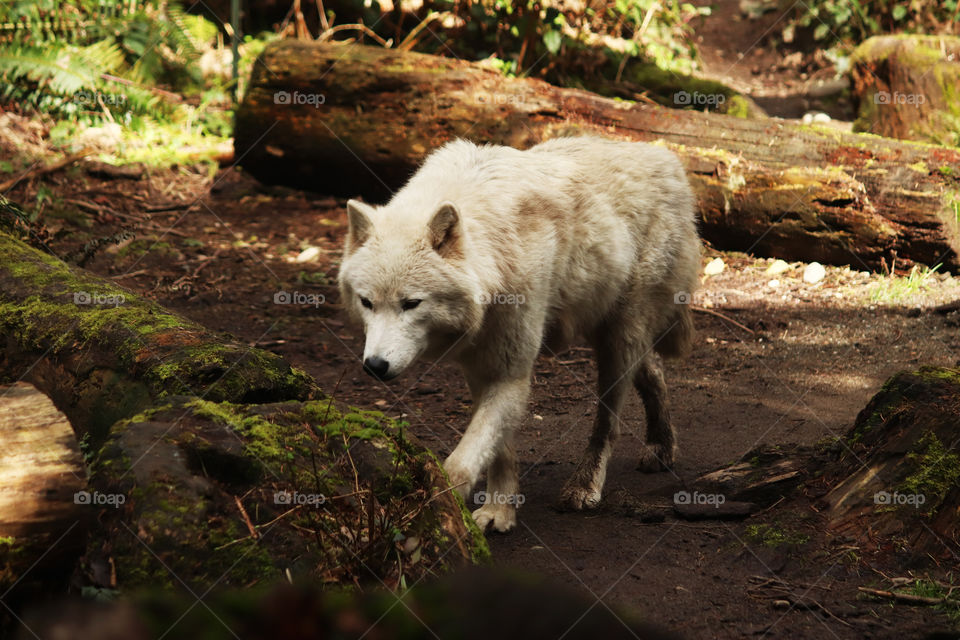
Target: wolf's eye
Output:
[(410, 303), (366, 303)]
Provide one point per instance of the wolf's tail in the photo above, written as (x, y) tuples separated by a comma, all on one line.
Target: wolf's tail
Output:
[(676, 340)]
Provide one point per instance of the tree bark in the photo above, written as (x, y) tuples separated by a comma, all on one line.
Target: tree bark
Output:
[(349, 119), (898, 478), (907, 87)]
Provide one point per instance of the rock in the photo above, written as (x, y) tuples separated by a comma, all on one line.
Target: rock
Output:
[(308, 255), (777, 267), (813, 273), (815, 117), (906, 87), (714, 267)]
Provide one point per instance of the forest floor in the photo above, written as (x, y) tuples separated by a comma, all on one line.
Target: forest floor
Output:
[(804, 362), (794, 366)]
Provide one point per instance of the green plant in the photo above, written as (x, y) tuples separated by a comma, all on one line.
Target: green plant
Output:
[(92, 59), (833, 21), (552, 38), (146, 65), (771, 536), (893, 288)]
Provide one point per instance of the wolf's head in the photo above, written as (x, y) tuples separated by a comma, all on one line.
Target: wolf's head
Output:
[(404, 276)]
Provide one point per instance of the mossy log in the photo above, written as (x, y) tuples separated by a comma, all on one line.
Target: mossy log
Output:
[(211, 462), (349, 119), (897, 486), (103, 353), (908, 87)]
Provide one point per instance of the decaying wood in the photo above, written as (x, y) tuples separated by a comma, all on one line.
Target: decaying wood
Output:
[(906, 87), (41, 473), (899, 472), (349, 119)]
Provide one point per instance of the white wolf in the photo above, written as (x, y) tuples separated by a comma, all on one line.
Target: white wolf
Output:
[(488, 253)]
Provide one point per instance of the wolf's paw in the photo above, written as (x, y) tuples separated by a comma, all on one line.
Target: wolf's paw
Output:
[(655, 458), (459, 478), (503, 517), (574, 498)]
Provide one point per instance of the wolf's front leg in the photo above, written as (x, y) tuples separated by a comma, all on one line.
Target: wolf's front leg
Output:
[(501, 499), (488, 442)]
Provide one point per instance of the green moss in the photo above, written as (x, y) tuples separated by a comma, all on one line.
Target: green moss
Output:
[(771, 536), (141, 246), (738, 107), (935, 471)]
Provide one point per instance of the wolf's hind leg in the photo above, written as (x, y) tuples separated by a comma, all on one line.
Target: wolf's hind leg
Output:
[(584, 488), (501, 499), (661, 448)]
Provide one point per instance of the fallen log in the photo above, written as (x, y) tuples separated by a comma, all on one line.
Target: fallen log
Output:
[(349, 119), (210, 462)]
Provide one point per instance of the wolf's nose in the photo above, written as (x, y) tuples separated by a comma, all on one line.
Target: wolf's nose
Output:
[(375, 366)]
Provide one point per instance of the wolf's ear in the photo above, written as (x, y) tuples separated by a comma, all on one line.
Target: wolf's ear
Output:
[(444, 229), (358, 215)]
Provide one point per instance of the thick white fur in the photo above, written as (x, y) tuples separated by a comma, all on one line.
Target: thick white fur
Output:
[(509, 250)]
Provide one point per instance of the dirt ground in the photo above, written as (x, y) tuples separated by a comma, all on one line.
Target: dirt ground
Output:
[(804, 362)]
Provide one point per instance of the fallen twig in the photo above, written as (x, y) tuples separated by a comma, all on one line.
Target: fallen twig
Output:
[(354, 27), (246, 518), (724, 317), (908, 598), (34, 172)]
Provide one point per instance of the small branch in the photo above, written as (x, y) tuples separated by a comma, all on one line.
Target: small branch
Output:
[(950, 307), (724, 317), (411, 38), (905, 597), (354, 27), (56, 166), (246, 518)]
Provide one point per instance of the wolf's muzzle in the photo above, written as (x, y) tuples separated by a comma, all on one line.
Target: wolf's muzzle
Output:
[(377, 367)]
